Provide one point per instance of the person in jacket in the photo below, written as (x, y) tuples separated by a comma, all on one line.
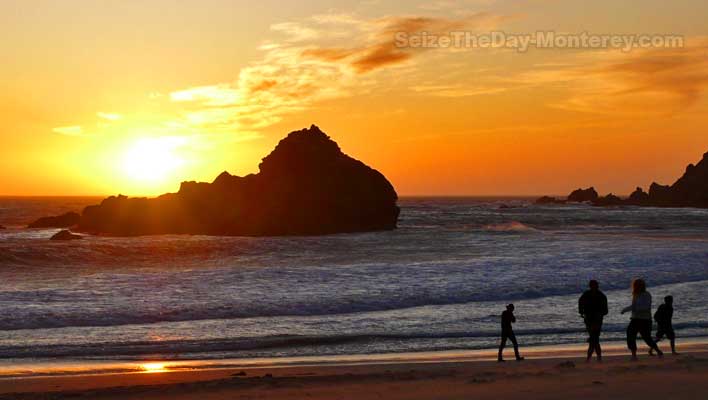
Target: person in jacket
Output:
[(663, 317), (592, 307), (640, 321)]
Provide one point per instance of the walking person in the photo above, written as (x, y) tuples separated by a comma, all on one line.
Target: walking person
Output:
[(592, 307), (507, 318), (663, 317), (640, 322)]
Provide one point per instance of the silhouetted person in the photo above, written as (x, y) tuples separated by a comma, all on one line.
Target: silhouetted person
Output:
[(507, 318), (663, 316), (592, 306), (640, 321)]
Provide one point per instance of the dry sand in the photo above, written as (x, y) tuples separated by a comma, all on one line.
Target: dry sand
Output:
[(549, 374)]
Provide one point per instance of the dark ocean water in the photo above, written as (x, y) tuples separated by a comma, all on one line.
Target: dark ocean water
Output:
[(437, 283)]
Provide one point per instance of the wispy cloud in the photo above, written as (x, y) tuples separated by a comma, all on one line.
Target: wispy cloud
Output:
[(304, 63), (108, 116), (377, 48), (458, 90), (662, 81), (73, 130)]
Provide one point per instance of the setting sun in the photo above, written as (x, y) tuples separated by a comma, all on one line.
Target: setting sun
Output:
[(153, 159)]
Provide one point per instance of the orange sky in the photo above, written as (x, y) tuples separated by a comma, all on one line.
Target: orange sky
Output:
[(134, 97)]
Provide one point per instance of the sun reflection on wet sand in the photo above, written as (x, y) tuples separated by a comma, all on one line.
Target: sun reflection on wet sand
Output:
[(153, 367)]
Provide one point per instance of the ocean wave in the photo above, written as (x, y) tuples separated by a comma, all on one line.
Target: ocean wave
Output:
[(87, 314), (284, 342), (512, 226)]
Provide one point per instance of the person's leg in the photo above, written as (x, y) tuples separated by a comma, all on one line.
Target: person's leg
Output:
[(672, 339), (595, 338), (645, 331), (632, 338), (501, 346), (591, 344), (598, 350), (598, 332), (659, 336), (512, 337)]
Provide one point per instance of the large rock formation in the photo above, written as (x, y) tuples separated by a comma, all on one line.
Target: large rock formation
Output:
[(306, 186), (61, 221), (691, 190)]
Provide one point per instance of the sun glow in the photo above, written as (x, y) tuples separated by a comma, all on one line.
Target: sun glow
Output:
[(153, 159), (154, 367)]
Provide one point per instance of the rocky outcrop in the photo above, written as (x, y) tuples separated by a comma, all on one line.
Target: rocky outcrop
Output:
[(549, 200), (65, 235), (609, 200), (690, 190), (306, 186), (583, 195), (638, 198), (61, 221)]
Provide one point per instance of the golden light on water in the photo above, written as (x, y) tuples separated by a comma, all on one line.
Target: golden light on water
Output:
[(154, 367)]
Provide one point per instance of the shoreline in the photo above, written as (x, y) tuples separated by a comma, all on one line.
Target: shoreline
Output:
[(44, 368), (548, 370)]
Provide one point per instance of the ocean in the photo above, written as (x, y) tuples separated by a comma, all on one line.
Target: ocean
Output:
[(439, 282)]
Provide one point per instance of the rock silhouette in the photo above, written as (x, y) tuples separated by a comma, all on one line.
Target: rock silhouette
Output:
[(549, 200), (60, 221), (638, 197), (583, 195), (65, 235), (306, 186), (690, 190), (609, 200)]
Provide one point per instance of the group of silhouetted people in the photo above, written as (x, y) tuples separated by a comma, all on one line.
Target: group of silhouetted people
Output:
[(592, 307)]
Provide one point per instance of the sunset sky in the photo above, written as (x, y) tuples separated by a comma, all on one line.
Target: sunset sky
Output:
[(132, 97)]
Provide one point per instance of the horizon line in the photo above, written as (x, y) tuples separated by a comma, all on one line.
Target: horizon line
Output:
[(16, 196)]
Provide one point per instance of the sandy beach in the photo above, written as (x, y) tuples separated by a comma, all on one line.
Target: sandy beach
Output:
[(548, 373)]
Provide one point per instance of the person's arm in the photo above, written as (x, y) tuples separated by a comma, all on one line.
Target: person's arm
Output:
[(605, 309), (629, 308), (513, 318), (581, 308)]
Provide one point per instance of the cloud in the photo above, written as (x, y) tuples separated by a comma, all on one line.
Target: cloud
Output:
[(664, 81), (305, 62), (679, 73), (379, 49), (457, 90), (216, 95), (378, 57), (74, 130), (108, 116), (454, 4)]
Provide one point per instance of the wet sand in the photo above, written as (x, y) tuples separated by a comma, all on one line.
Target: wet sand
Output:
[(549, 373)]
